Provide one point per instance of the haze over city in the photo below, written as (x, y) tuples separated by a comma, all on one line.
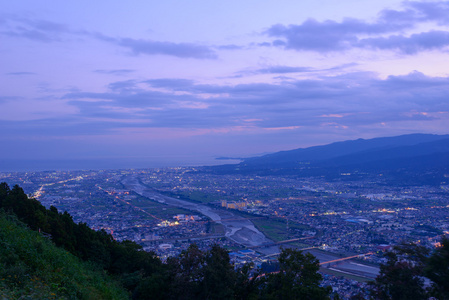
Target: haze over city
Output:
[(179, 82)]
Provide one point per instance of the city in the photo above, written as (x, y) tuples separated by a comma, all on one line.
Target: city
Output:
[(346, 224)]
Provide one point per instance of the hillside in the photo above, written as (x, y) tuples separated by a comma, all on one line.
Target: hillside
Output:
[(32, 266)]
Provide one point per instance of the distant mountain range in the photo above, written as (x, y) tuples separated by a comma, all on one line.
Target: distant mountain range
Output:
[(405, 157)]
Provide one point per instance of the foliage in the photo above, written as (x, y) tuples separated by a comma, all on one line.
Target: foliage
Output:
[(98, 247), (408, 267), (121, 259), (437, 270), (30, 265), (298, 278)]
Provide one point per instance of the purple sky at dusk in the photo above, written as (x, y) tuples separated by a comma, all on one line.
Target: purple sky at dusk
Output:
[(193, 80)]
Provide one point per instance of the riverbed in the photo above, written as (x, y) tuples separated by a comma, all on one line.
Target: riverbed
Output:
[(237, 228)]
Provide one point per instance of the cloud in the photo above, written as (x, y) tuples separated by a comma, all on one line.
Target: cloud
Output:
[(38, 30), (283, 70), (175, 84), (31, 34), (150, 47), (350, 100), (230, 47), (326, 36), (353, 102), (409, 45), (431, 11), (289, 69), (265, 44), (387, 32), (47, 26), (141, 99), (415, 85), (46, 31), (123, 86), (8, 98), (20, 73), (118, 72), (182, 50), (58, 127)]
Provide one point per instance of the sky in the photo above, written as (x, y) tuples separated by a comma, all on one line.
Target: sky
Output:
[(187, 81)]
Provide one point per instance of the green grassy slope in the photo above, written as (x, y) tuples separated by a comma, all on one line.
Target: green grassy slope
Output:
[(32, 267)]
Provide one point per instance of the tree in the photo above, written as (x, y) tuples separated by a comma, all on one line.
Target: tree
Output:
[(298, 278), (4, 191), (437, 270), (247, 283), (186, 273), (401, 278), (219, 275)]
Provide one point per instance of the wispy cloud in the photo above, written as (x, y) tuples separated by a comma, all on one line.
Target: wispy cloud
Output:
[(20, 73), (283, 70), (118, 72), (230, 47), (8, 98), (37, 30), (150, 47), (182, 50), (46, 31), (174, 84), (280, 69)]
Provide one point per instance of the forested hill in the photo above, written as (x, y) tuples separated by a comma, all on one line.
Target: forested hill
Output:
[(27, 270), (122, 260), (32, 267), (419, 157)]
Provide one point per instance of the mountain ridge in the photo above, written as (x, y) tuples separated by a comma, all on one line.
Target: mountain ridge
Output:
[(337, 149), (422, 157)]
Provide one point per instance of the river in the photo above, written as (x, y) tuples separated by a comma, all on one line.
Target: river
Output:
[(237, 228)]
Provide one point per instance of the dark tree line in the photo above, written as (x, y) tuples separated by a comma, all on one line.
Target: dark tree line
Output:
[(412, 272)]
